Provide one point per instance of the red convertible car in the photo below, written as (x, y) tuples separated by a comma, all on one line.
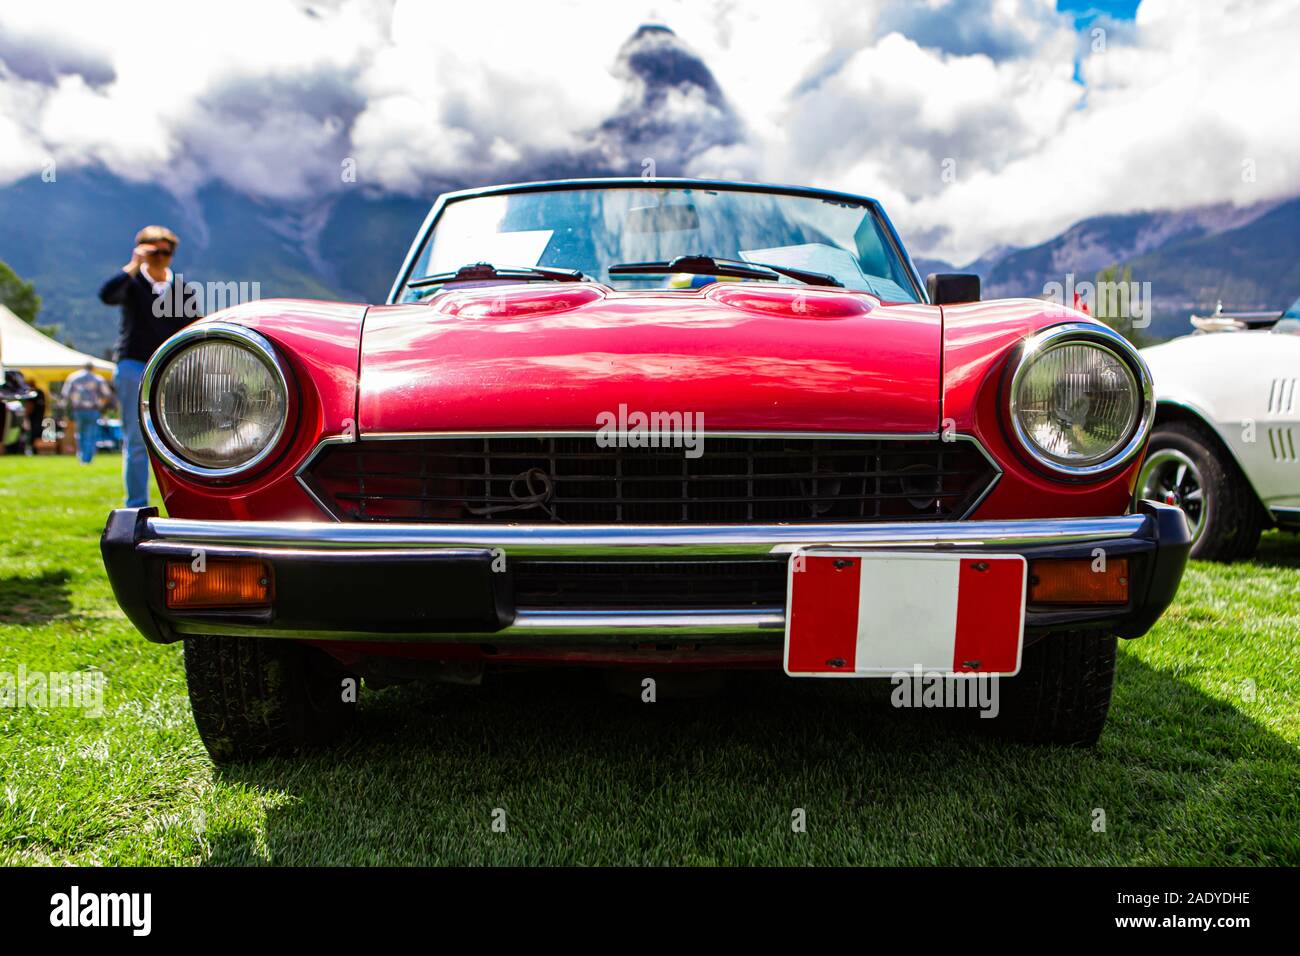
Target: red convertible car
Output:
[(646, 424)]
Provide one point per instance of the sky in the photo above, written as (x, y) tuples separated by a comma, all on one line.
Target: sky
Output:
[(978, 123)]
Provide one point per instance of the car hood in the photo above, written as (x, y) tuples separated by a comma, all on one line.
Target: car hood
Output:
[(745, 356)]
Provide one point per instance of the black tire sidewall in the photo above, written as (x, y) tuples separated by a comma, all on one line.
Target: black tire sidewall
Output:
[(253, 697), (1227, 531)]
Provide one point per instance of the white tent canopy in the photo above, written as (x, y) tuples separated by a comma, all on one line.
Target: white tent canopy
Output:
[(23, 347)]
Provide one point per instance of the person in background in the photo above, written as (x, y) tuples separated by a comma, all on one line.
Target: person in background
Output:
[(85, 394), (146, 324)]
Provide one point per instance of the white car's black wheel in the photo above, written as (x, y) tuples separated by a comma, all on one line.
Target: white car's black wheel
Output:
[(254, 697), (1062, 693), (1185, 467)]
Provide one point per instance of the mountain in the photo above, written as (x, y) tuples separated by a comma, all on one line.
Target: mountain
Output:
[(1254, 266), (69, 235), (1248, 257), (673, 108), (980, 266)]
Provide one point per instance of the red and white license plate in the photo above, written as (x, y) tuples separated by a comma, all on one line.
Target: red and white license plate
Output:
[(874, 614)]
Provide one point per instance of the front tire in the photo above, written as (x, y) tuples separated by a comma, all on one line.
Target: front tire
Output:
[(254, 697), (1062, 693), (1184, 466)]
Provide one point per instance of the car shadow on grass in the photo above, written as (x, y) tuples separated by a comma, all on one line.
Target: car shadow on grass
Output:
[(35, 599), (555, 767), (1280, 549)]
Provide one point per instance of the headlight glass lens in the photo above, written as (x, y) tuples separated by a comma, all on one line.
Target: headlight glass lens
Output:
[(1077, 403), (219, 404)]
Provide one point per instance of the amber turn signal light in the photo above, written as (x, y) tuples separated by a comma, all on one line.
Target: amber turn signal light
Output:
[(1078, 581), (218, 583)]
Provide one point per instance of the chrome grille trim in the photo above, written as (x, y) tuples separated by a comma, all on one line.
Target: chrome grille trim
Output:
[(995, 474)]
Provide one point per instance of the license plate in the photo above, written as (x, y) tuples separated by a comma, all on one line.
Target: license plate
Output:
[(875, 614)]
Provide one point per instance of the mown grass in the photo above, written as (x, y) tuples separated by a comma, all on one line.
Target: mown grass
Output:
[(1199, 764)]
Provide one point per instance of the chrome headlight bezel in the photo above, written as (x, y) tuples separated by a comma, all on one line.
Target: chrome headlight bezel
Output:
[(170, 350), (1108, 340)]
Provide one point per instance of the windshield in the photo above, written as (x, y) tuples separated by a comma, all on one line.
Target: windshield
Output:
[(593, 228)]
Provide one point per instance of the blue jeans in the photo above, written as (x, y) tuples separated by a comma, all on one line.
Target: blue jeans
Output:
[(87, 423), (135, 457)]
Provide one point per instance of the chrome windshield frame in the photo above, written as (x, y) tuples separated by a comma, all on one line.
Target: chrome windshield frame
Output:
[(440, 204)]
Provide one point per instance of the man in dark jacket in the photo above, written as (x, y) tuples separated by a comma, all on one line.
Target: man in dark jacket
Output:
[(151, 313)]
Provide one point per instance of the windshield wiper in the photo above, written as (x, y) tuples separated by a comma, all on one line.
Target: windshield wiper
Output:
[(727, 268), (486, 270)]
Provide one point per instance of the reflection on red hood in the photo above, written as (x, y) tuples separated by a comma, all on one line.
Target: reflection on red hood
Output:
[(746, 356)]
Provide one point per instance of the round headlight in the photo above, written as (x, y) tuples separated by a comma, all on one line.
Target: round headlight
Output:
[(219, 402), (1080, 400)]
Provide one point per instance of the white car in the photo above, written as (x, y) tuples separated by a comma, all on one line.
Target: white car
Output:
[(1226, 442)]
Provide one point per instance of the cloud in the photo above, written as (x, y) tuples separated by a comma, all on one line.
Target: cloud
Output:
[(1197, 109), (1188, 104), (43, 58), (245, 92), (1000, 29)]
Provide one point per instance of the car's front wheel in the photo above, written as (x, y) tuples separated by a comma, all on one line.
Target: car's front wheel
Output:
[(1062, 693), (254, 697), (1184, 467)]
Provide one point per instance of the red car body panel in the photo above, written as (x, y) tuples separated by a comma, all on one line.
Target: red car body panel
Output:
[(318, 341), (811, 361), (528, 357), (978, 340)]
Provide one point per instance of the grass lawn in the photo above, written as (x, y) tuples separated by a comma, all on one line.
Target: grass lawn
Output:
[(1199, 764)]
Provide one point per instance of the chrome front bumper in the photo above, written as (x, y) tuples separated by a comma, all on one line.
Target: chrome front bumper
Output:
[(172, 535), (430, 582)]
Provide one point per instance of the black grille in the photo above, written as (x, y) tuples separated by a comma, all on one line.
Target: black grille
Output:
[(537, 480), (755, 583)]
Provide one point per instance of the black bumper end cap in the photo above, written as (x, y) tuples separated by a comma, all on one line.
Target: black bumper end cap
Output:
[(125, 528), (1173, 540)]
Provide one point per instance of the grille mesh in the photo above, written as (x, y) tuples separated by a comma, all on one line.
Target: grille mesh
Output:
[(567, 479), (558, 584)]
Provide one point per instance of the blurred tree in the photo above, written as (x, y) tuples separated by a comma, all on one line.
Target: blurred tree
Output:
[(22, 301), (1117, 300), (19, 296)]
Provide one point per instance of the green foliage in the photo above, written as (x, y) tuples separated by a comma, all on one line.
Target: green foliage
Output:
[(18, 295), (1121, 303)]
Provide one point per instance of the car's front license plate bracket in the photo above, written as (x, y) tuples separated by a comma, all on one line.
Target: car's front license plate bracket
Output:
[(877, 614)]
